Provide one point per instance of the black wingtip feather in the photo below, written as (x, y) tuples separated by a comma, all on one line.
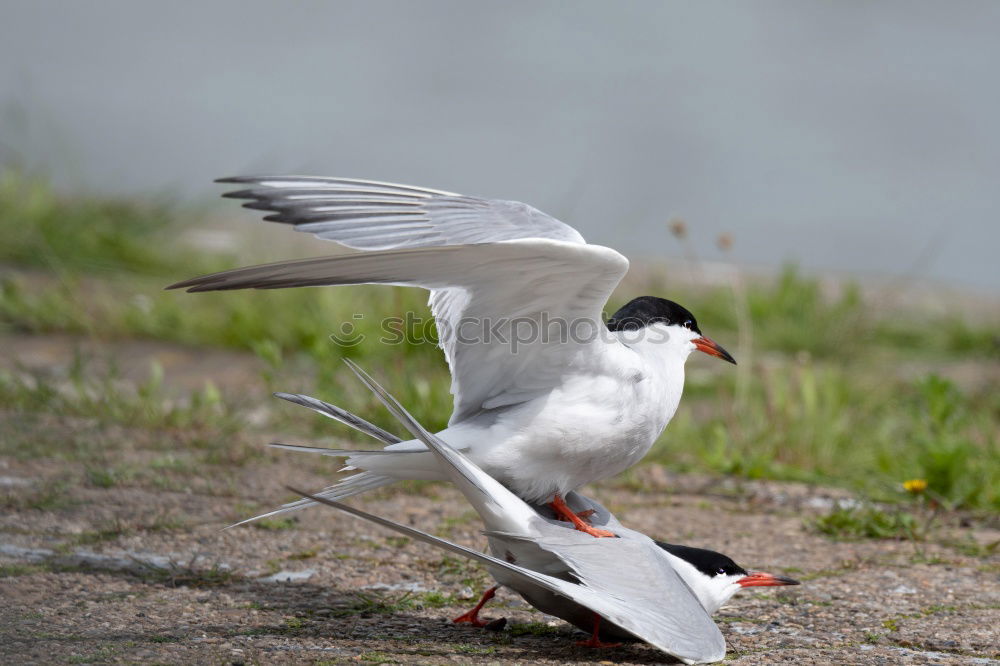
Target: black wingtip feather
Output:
[(195, 284), (176, 285), (252, 180), (258, 205), (239, 194)]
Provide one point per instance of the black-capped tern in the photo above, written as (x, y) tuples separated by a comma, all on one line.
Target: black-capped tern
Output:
[(575, 400)]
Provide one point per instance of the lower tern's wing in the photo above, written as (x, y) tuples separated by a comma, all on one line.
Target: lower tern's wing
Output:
[(629, 575), (647, 624), (495, 269)]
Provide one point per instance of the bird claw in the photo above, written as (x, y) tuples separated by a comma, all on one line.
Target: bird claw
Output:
[(472, 617), (596, 532), (563, 512)]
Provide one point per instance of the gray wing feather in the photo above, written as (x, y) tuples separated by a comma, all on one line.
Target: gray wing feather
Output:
[(490, 283), (337, 453), (370, 215), (485, 261), (635, 570), (553, 585), (642, 621)]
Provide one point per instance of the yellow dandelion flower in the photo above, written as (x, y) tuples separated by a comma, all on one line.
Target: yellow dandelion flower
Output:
[(915, 486)]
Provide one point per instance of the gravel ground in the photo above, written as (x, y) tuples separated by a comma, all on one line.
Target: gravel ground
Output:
[(166, 585), (137, 568)]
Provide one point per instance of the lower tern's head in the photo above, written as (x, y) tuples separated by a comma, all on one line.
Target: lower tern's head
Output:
[(715, 578)]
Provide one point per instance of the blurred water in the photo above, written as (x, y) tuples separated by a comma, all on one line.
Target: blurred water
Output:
[(852, 136)]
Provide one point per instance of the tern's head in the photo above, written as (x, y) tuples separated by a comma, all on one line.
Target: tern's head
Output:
[(713, 577), (664, 322)]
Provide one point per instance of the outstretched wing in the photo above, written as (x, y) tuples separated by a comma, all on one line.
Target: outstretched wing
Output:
[(369, 215), (654, 623), (517, 295)]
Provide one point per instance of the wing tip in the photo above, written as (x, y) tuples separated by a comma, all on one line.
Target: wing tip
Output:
[(203, 284), (178, 285), (239, 194), (191, 286), (236, 179)]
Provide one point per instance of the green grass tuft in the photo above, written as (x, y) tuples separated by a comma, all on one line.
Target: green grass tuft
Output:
[(868, 523), (190, 575), (18, 569)]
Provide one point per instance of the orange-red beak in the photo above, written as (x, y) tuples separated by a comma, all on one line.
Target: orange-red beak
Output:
[(711, 347), (761, 579)]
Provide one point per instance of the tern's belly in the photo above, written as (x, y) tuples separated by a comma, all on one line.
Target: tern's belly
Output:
[(562, 442)]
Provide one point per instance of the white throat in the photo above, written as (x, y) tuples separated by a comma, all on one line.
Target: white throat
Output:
[(712, 591), (663, 350)]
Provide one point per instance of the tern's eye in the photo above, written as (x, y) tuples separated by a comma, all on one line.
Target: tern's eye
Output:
[(688, 324), (721, 571)]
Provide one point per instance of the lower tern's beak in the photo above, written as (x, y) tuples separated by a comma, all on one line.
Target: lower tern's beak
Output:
[(713, 348), (761, 579)]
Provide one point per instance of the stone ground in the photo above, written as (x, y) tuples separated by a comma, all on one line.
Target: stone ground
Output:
[(328, 588), (138, 570)]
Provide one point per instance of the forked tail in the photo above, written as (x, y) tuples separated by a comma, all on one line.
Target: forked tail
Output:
[(500, 509), (352, 485)]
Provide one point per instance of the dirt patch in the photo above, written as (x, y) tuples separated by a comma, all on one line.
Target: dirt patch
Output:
[(97, 579), (111, 551)]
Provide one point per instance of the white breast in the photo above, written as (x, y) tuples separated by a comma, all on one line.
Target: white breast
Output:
[(600, 421)]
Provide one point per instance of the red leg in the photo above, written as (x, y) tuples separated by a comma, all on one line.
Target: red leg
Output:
[(472, 617), (564, 512), (594, 641)]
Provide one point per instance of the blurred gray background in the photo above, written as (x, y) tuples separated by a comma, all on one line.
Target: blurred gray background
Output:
[(857, 137)]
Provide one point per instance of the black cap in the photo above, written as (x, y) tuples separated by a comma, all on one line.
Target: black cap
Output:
[(645, 310), (706, 561)]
